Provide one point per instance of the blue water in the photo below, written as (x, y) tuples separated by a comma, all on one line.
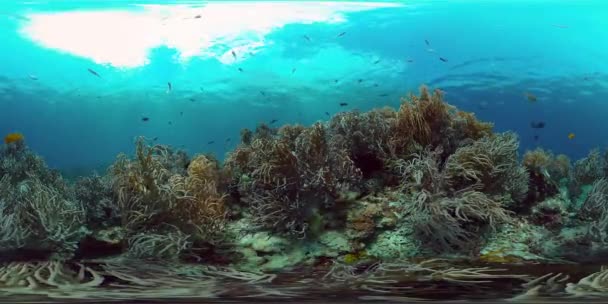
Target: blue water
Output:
[(496, 51)]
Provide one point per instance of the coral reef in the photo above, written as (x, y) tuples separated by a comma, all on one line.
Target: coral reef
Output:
[(351, 195)]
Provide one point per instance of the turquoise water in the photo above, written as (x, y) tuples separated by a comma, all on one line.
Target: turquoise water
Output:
[(295, 68)]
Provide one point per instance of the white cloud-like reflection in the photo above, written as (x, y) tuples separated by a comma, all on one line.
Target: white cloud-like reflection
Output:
[(124, 38)]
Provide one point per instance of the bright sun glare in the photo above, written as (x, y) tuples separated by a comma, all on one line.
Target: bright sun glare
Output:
[(124, 38)]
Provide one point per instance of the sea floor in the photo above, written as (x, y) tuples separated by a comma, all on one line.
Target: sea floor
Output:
[(431, 280)]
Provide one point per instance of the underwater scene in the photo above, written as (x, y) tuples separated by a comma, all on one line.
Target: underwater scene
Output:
[(309, 151)]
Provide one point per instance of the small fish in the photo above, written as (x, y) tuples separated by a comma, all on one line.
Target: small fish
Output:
[(262, 92), (343, 104), (233, 54), (202, 89), (181, 113), (375, 85), (383, 95), (145, 118), (94, 73), (273, 121), (341, 34), (410, 60), (197, 17), (192, 99), (336, 80), (443, 59), (307, 38), (531, 97), (293, 70), (155, 138), (427, 42), (571, 136), (228, 139), (169, 87), (170, 122), (536, 137), (360, 80), (537, 125), (560, 26), (377, 61), (327, 113), (32, 77), (211, 142), (240, 70)]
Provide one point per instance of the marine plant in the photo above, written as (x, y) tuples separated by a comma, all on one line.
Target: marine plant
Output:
[(37, 208), (159, 192), (286, 178)]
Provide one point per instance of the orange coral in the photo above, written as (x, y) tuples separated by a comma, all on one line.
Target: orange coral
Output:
[(13, 137)]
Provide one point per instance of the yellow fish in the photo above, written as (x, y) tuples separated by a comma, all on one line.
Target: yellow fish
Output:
[(13, 137), (571, 136), (531, 97)]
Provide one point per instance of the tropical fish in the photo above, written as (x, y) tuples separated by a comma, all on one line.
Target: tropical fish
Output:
[(13, 137), (240, 70), (210, 142), (273, 121), (145, 118), (536, 137), (341, 34), (343, 104), (531, 97), (307, 38), (571, 136), (327, 113), (443, 59), (94, 73), (383, 95), (377, 61), (233, 54), (537, 125)]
